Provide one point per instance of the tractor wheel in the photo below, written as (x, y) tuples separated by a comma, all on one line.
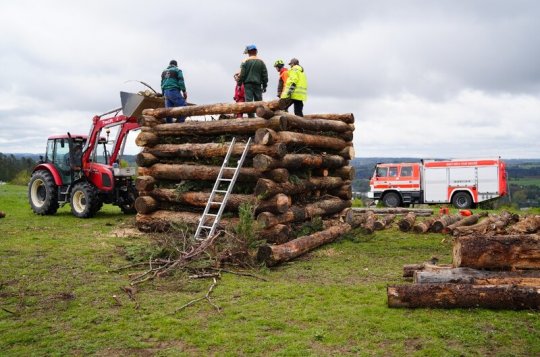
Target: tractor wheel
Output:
[(84, 200), (391, 199), (462, 200), (128, 207), (43, 193)]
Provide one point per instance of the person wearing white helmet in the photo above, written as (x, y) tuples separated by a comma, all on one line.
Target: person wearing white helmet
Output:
[(283, 75)]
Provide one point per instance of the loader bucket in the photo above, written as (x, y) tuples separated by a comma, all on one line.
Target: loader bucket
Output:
[(133, 104)]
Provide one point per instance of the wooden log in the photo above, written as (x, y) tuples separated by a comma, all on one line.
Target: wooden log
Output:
[(348, 136), (467, 221), (292, 122), (209, 150), (277, 175), (409, 269), (277, 204), (146, 204), (265, 136), (278, 234), (478, 277), (295, 161), (246, 126), (301, 213), (145, 183), (528, 224), (149, 121), (369, 225), (497, 252), (163, 221), (276, 254), (199, 199), (397, 210), (210, 109), (344, 192), (146, 138), (423, 226), (464, 296), (492, 223), (357, 219), (264, 112), (345, 172), (384, 222), (196, 172), (442, 222), (407, 222), (265, 187), (146, 159), (346, 118), (347, 153)]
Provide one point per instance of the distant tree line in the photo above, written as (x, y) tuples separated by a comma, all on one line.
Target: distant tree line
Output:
[(520, 172), (10, 166)]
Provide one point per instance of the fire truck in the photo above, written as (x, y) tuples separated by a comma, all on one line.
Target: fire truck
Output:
[(463, 183)]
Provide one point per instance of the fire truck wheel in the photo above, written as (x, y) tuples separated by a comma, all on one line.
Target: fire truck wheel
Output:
[(43, 193), (462, 200), (391, 199), (84, 200)]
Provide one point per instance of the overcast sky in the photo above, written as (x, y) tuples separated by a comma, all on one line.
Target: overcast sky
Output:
[(447, 78)]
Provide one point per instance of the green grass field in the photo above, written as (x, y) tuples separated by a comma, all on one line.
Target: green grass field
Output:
[(56, 298), (528, 181)]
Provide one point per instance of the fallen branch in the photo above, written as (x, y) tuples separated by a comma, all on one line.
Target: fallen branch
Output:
[(205, 297)]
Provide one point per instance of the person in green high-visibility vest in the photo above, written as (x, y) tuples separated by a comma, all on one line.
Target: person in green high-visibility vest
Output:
[(295, 91)]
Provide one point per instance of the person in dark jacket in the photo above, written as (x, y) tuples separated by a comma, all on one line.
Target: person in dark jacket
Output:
[(253, 75), (173, 88)]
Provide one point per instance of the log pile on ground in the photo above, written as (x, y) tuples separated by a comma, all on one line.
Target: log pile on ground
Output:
[(296, 175), (493, 266)]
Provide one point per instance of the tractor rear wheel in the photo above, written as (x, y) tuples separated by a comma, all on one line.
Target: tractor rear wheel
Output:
[(84, 200), (43, 193), (391, 199)]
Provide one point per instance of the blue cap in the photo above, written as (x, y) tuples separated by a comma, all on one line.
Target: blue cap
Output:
[(250, 48)]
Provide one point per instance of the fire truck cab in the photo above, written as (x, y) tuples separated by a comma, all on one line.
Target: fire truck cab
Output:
[(464, 183)]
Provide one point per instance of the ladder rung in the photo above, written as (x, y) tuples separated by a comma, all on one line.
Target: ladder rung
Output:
[(217, 203), (207, 227), (230, 168), (225, 180), (211, 214), (220, 191)]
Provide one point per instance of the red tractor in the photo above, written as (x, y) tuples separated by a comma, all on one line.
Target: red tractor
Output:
[(79, 170)]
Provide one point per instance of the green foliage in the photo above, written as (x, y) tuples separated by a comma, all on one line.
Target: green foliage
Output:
[(294, 179), (65, 298), (11, 166), (21, 179), (189, 185), (357, 202), (310, 227), (246, 230)]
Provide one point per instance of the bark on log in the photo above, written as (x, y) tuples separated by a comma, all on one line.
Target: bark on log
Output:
[(397, 210), (209, 150), (146, 138), (277, 234), (345, 172), (293, 122), (301, 213), (347, 153), (344, 192), (216, 127), (199, 199), (295, 161), (369, 225), (268, 188), (265, 136), (409, 269), (146, 204), (276, 254), (346, 118), (145, 183), (383, 222), (464, 296), (529, 224), (196, 172), (149, 121), (407, 222), (357, 219), (210, 109), (277, 204), (423, 226), (442, 222), (493, 223), (478, 277), (162, 221), (467, 221), (277, 175), (497, 252), (264, 112)]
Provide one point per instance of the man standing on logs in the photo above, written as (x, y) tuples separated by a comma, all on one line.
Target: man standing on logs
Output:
[(172, 83), (254, 76), (283, 75), (295, 91)]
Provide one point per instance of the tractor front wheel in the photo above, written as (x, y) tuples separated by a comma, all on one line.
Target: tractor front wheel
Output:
[(84, 200), (43, 193)]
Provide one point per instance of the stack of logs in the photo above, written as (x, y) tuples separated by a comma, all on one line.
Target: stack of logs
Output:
[(296, 169), (494, 266)]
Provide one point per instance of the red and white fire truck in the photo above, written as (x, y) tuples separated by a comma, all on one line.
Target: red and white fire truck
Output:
[(464, 183)]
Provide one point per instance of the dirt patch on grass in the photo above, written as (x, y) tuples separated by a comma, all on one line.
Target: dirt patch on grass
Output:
[(125, 232)]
